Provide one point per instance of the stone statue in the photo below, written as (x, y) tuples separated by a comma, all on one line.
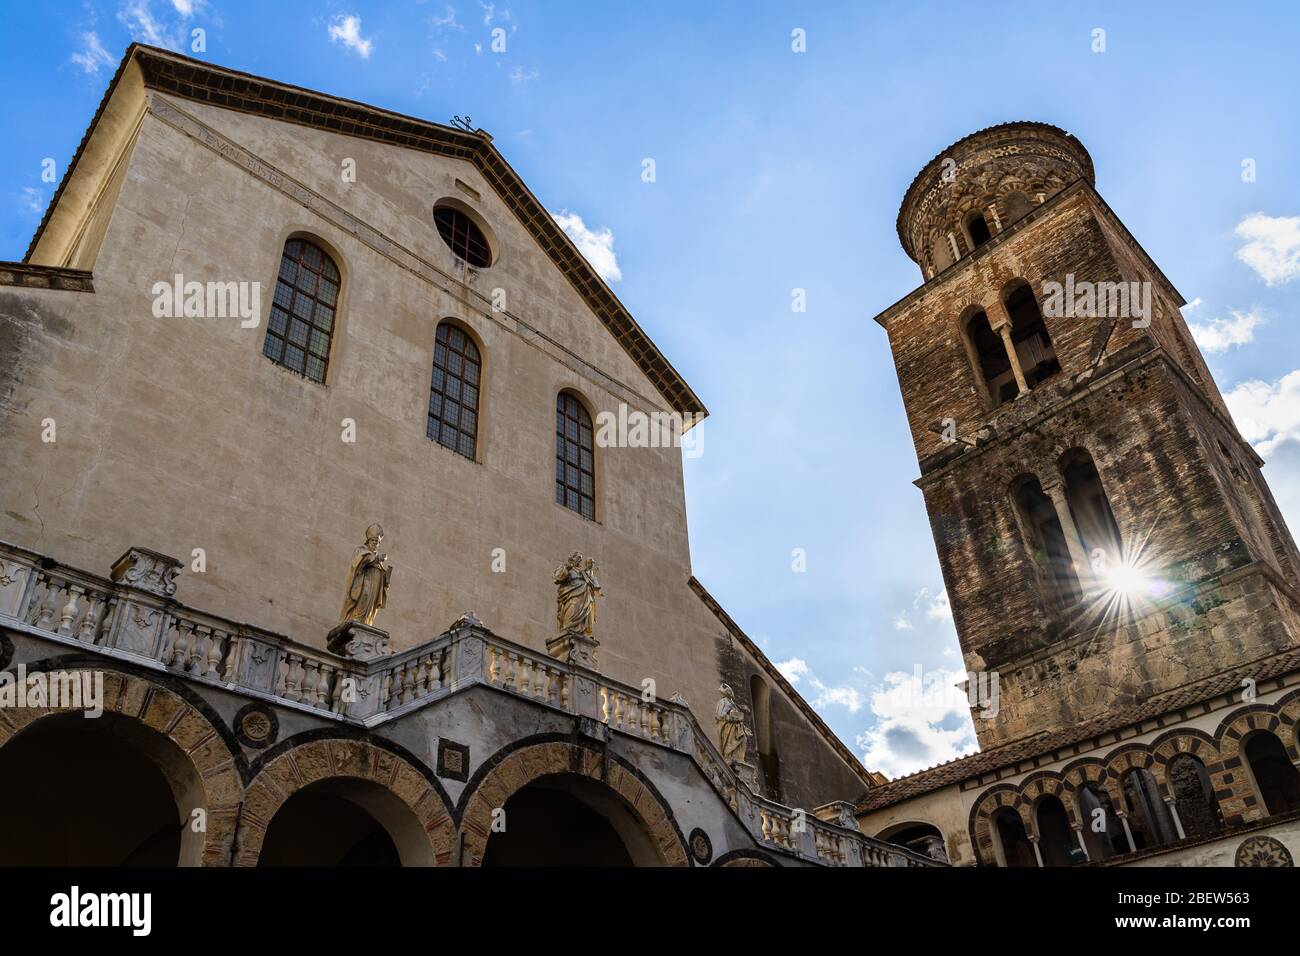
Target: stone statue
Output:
[(576, 590), (368, 576), (733, 735)]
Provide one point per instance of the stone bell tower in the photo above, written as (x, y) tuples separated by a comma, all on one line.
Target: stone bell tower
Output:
[(1105, 534)]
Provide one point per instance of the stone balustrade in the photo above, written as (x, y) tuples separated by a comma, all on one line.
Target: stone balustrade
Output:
[(133, 617)]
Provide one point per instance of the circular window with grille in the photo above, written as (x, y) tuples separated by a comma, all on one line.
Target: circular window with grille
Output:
[(464, 235)]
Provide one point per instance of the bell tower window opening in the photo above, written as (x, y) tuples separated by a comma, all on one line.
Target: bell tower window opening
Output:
[(991, 355), (1090, 508), (1047, 545), (977, 228), (1029, 335)]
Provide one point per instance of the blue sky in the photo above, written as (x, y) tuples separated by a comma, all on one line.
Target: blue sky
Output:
[(777, 171)]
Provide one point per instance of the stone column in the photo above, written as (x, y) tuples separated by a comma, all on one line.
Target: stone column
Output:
[(1173, 814), (1038, 854), (1078, 832), (1001, 324), (1128, 834), (1078, 555)]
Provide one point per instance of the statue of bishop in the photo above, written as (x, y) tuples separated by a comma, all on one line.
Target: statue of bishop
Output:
[(368, 577)]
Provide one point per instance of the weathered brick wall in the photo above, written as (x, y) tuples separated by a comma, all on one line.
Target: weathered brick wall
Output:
[(1180, 481)]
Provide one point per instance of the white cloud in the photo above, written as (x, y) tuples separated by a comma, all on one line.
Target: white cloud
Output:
[(936, 605), (520, 75), (92, 57), (346, 29), (1219, 335), (597, 245), (1272, 246), (138, 18), (185, 7), (447, 21), (902, 623), (32, 199), (921, 720), (1267, 413), (792, 669)]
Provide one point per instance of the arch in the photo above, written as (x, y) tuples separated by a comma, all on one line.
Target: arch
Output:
[(1054, 828), (189, 749), (988, 356), (514, 768), (1029, 335), (1192, 797), (301, 325), (1276, 779), (982, 828), (1015, 205), (1181, 740), (918, 836), (977, 229), (1149, 820), (1239, 799), (1103, 831), (413, 809), (1045, 783), (1045, 541), (1090, 508), (745, 858), (455, 389), (575, 454)]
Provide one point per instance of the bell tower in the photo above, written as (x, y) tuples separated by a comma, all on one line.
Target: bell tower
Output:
[(1104, 532)]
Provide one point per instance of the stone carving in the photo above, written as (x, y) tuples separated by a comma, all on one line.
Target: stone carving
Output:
[(1263, 851), (368, 576), (468, 619), (733, 734), (575, 611), (147, 570), (577, 589)]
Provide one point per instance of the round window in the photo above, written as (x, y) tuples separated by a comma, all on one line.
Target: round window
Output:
[(462, 235)]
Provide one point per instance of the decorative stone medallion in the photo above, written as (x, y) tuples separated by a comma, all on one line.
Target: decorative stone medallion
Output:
[(701, 846), (148, 571), (1263, 851), (256, 726), (453, 760)]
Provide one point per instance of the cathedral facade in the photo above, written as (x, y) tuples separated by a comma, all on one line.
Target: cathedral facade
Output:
[(343, 521)]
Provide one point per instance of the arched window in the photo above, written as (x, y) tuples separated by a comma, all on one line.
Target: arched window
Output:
[(301, 324), (1047, 544), (1102, 831), (1276, 778), (1090, 509), (1149, 819), (764, 740), (1016, 205), (453, 396), (1198, 811), (990, 354), (1056, 839), (575, 457), (978, 230), (462, 235), (1013, 840), (1029, 335)]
